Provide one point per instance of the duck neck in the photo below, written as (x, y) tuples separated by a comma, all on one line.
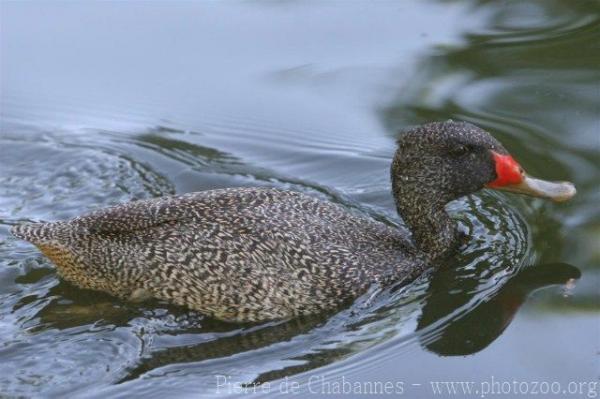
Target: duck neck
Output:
[(423, 210)]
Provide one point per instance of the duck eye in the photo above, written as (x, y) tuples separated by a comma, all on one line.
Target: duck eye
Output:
[(459, 150)]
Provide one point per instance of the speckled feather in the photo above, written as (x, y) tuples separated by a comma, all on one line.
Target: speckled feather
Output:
[(252, 254), (242, 254)]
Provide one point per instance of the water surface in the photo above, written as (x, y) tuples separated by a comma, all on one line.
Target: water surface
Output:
[(103, 103)]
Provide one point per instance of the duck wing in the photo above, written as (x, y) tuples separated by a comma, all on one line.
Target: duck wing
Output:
[(144, 215)]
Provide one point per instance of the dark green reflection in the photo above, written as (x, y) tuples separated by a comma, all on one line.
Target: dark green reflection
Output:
[(484, 322)]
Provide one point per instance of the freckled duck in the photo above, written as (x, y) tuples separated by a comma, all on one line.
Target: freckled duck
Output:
[(253, 254)]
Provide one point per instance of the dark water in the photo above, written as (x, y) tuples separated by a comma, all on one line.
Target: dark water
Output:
[(107, 102)]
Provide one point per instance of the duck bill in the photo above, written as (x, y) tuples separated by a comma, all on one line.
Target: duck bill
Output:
[(511, 177)]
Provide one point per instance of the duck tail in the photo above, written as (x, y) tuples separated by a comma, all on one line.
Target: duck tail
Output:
[(38, 233)]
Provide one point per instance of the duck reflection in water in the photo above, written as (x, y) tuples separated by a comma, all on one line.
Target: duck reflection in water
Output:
[(475, 330)]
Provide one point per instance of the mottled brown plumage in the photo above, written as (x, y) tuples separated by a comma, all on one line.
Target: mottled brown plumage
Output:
[(237, 254), (251, 254)]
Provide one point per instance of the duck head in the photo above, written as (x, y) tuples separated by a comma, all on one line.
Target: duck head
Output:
[(439, 162)]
